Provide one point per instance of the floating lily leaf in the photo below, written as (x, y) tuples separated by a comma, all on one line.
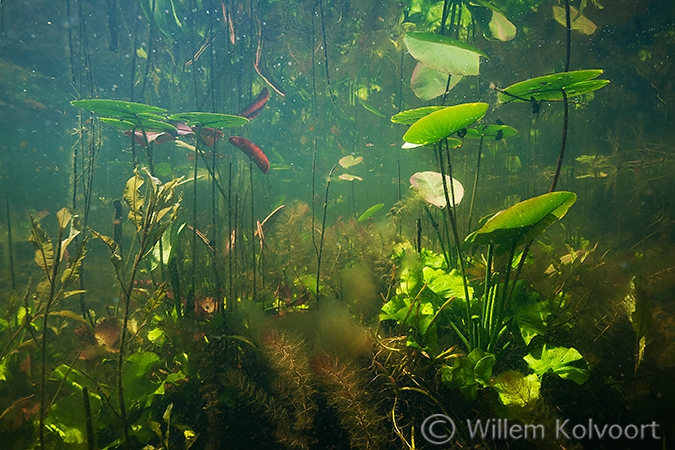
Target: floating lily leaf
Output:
[(445, 122), (212, 120), (523, 221), (350, 161), (349, 177), (516, 389), (549, 87), (578, 21), (429, 185), (368, 213), (120, 109), (411, 116), (444, 54), (140, 123), (428, 83), (493, 131), (501, 28)]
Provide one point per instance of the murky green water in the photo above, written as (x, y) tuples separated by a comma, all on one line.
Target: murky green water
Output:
[(225, 224)]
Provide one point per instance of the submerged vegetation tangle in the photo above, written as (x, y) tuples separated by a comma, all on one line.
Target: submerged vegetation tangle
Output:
[(381, 234)]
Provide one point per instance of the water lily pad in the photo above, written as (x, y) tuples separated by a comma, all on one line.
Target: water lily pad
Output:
[(445, 122), (141, 123), (493, 131), (211, 120), (524, 220), (410, 116), (501, 28), (349, 177), (350, 161), (579, 22), (429, 185), (549, 87), (452, 143), (428, 83), (444, 54)]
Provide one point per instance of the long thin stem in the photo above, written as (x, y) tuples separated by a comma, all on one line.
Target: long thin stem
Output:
[(9, 244), (323, 229), (475, 184)]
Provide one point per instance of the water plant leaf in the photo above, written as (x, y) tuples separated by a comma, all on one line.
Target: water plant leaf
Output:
[(531, 320), (211, 120), (559, 360), (350, 161), (44, 249), (428, 83), (516, 389), (134, 198), (139, 124), (501, 28), (368, 213), (429, 185), (411, 116), (636, 304), (493, 131), (549, 87), (372, 109), (349, 177), (579, 22), (442, 123), (443, 53), (524, 220)]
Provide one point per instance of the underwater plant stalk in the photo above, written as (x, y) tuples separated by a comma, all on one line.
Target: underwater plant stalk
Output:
[(253, 261), (450, 206), (325, 51), (9, 244), (475, 184), (91, 442), (230, 254), (323, 229), (564, 141)]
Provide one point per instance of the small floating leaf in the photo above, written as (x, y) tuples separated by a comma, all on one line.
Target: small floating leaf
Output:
[(492, 131), (350, 161), (579, 22), (370, 211), (444, 54), (445, 122), (428, 83), (349, 177), (429, 185), (549, 87), (501, 28)]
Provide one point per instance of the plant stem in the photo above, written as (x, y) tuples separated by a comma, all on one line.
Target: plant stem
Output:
[(323, 229), (9, 244), (475, 184)]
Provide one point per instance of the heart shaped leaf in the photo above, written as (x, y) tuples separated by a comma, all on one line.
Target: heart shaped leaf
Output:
[(440, 124), (444, 54)]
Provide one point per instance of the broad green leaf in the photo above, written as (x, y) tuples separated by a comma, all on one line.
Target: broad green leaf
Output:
[(444, 54), (445, 284), (411, 116), (350, 161), (370, 212), (531, 320), (501, 28), (428, 84), (211, 120), (141, 123), (549, 87), (579, 22), (134, 199), (440, 124), (69, 314), (429, 185), (492, 131), (636, 304), (524, 220), (558, 360), (515, 389)]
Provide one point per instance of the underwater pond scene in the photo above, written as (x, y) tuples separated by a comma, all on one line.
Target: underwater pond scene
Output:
[(337, 224)]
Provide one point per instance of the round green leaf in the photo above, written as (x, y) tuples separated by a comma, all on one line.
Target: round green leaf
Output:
[(491, 131), (211, 120), (119, 109), (429, 185), (549, 87), (444, 54), (442, 123), (141, 122), (411, 116), (523, 221), (428, 84)]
